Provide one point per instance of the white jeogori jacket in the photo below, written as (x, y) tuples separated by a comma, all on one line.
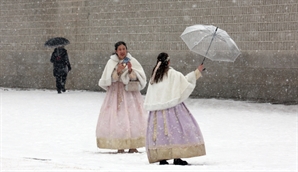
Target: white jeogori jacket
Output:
[(172, 90)]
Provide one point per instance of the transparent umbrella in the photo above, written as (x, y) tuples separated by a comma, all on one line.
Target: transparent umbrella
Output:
[(211, 42)]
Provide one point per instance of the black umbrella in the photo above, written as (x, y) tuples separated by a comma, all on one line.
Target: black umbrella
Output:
[(56, 42)]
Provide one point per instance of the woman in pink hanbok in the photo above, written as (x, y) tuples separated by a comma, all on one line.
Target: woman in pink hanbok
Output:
[(122, 119), (172, 131)]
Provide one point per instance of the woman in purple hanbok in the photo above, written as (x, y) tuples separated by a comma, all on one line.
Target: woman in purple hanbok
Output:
[(172, 131), (122, 119)]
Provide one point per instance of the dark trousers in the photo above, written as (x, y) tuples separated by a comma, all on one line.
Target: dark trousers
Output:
[(60, 82)]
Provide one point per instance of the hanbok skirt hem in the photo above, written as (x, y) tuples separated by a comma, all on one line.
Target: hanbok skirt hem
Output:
[(175, 151), (130, 143)]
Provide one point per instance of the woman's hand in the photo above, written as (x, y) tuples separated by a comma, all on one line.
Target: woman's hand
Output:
[(129, 67), (201, 67), (120, 67)]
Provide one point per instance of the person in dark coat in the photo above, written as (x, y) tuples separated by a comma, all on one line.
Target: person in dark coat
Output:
[(61, 67)]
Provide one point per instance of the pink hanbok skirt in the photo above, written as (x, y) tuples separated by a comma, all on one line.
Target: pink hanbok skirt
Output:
[(122, 120), (173, 133)]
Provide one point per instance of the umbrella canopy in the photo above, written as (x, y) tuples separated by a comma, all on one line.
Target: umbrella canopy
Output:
[(56, 42), (210, 42)]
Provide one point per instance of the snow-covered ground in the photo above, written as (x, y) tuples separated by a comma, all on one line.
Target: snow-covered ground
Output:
[(45, 131)]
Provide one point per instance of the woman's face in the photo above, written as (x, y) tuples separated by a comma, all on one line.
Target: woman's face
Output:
[(121, 52)]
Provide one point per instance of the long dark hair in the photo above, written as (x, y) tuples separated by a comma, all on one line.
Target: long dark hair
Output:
[(163, 68), (118, 44)]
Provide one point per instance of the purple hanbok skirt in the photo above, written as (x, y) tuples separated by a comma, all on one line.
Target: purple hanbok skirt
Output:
[(173, 133)]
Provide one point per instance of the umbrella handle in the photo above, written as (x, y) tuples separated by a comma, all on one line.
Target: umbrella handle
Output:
[(203, 63), (203, 60)]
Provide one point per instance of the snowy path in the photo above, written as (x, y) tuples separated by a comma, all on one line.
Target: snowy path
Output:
[(44, 131)]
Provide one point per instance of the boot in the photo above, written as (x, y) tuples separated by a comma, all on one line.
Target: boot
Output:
[(120, 151), (163, 162), (180, 162), (133, 151), (63, 88)]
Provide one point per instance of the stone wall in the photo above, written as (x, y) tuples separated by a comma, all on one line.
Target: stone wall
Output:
[(264, 30)]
